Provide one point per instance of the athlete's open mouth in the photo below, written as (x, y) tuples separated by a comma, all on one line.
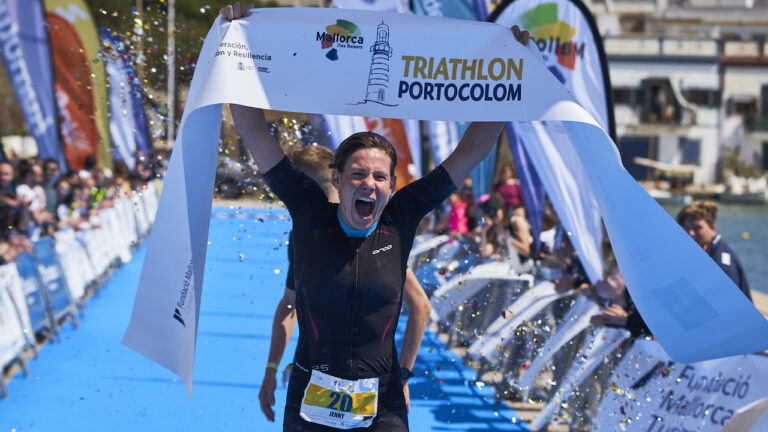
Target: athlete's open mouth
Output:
[(364, 207)]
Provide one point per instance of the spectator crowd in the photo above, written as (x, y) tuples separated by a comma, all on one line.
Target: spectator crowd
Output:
[(37, 199)]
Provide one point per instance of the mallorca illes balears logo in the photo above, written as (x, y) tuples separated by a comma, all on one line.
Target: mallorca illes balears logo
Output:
[(343, 34), (553, 37)]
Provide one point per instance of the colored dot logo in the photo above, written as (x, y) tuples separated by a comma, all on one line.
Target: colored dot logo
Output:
[(342, 34), (552, 35)]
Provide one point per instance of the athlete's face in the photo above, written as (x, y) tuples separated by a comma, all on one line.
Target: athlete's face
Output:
[(364, 187), (700, 230)]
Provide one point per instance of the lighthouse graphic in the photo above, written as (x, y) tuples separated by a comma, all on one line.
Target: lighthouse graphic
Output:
[(378, 76)]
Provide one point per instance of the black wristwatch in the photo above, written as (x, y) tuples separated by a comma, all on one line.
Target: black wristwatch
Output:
[(405, 374)]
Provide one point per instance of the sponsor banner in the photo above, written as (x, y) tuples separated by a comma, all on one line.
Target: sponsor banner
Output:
[(650, 392), (77, 125), (407, 66), (77, 14), (27, 57), (122, 125)]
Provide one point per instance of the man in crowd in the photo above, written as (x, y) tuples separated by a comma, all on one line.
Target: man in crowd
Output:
[(698, 220)]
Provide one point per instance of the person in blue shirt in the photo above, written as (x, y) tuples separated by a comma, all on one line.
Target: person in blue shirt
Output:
[(698, 220)]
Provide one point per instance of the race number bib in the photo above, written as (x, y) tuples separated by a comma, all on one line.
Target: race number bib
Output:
[(339, 403)]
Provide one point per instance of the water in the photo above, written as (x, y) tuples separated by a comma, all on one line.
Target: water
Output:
[(745, 228)]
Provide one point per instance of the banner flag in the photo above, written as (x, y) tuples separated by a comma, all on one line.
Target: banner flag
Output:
[(567, 37), (568, 188), (653, 393), (122, 119), (27, 57), (275, 58), (77, 124), (570, 43), (76, 14)]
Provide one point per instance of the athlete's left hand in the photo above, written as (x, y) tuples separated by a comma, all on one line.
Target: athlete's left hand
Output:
[(522, 36), (407, 397)]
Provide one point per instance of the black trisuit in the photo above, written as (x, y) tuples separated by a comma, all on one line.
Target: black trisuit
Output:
[(349, 290)]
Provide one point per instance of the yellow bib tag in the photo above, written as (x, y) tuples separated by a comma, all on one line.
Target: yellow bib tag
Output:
[(340, 403)]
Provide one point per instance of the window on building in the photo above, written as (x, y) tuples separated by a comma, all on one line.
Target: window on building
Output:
[(742, 105), (702, 97), (623, 96), (689, 150), (764, 100)]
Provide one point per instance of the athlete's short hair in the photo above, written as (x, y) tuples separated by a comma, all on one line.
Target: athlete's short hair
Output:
[(700, 209), (314, 161), (364, 140)]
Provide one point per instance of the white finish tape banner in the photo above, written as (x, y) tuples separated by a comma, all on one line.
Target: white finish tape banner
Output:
[(377, 64), (652, 393)]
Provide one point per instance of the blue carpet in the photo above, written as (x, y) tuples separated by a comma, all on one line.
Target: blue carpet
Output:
[(89, 382)]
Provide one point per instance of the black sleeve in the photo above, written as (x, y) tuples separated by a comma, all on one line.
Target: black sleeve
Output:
[(420, 197), (734, 270), (744, 285), (289, 283), (294, 188)]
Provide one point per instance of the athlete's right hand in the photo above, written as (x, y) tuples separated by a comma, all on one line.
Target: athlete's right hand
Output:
[(235, 10), (267, 394)]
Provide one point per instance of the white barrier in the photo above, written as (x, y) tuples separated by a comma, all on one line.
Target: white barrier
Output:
[(599, 345), (12, 321), (422, 247), (58, 274), (75, 262), (456, 291), (574, 322), (523, 309)]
